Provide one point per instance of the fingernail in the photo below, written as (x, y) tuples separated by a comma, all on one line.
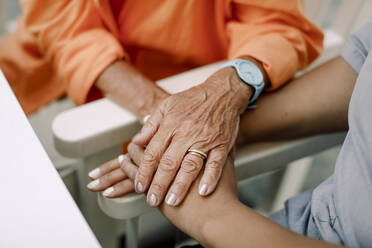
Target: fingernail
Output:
[(121, 159), (146, 118), (203, 189), (139, 187), (171, 199), (108, 191), (94, 184), (95, 173), (153, 199)]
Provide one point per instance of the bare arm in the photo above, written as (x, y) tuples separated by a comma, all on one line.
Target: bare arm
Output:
[(220, 220), (123, 84), (244, 227), (316, 102)]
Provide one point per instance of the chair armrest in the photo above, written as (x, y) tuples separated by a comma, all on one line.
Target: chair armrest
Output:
[(99, 125), (251, 161)]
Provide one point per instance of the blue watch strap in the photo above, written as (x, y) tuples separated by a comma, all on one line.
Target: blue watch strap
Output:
[(252, 76)]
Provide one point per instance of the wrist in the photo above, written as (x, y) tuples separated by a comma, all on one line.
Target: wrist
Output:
[(239, 91), (126, 86), (248, 78), (150, 101)]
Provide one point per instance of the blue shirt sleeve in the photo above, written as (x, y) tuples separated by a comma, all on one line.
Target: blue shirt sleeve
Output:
[(357, 47)]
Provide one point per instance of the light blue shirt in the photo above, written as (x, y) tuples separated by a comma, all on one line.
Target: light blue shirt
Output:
[(340, 209)]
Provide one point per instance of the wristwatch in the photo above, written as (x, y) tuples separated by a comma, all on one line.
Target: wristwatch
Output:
[(250, 74)]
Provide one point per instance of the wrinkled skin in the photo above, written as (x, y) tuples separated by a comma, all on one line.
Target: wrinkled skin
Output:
[(206, 118)]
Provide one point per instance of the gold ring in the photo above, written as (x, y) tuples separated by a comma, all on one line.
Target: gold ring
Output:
[(197, 153)]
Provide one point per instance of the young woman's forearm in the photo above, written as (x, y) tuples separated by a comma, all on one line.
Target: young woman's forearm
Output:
[(243, 227), (316, 102), (123, 84)]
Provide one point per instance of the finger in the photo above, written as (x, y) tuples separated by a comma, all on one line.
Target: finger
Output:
[(129, 168), (188, 172), (212, 173), (107, 180), (136, 153), (149, 129), (151, 157), (105, 168), (167, 169), (119, 189)]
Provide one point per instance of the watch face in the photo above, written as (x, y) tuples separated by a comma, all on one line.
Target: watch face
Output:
[(251, 73)]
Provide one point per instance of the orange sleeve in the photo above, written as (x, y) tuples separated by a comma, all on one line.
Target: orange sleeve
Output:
[(74, 37), (277, 33)]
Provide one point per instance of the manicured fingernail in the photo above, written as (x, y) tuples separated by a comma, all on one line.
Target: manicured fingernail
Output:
[(153, 199), (121, 159), (95, 173), (203, 189), (139, 187), (171, 199), (94, 184), (108, 191), (146, 118)]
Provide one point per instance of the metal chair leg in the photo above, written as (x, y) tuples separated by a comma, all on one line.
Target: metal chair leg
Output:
[(132, 228)]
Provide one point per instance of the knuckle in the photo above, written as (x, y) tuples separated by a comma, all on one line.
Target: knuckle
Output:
[(224, 143), (106, 179), (131, 147), (150, 125), (179, 186), (220, 156), (148, 158), (141, 176), (124, 167), (167, 104), (214, 164), (167, 164), (124, 185), (190, 166), (158, 187)]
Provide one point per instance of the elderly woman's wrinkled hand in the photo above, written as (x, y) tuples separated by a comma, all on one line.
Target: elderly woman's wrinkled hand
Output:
[(204, 119)]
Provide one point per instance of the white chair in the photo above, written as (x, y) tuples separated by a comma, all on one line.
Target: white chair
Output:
[(83, 133)]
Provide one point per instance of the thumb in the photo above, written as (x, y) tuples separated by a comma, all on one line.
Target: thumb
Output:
[(143, 137)]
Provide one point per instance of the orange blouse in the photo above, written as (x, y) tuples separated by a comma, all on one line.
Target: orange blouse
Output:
[(63, 46)]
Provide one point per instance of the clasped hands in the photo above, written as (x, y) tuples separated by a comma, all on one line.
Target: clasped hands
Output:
[(204, 118)]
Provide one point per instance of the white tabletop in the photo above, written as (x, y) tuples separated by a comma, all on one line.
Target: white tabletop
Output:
[(36, 210)]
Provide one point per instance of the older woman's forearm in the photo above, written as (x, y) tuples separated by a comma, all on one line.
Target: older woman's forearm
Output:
[(316, 102), (123, 84)]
